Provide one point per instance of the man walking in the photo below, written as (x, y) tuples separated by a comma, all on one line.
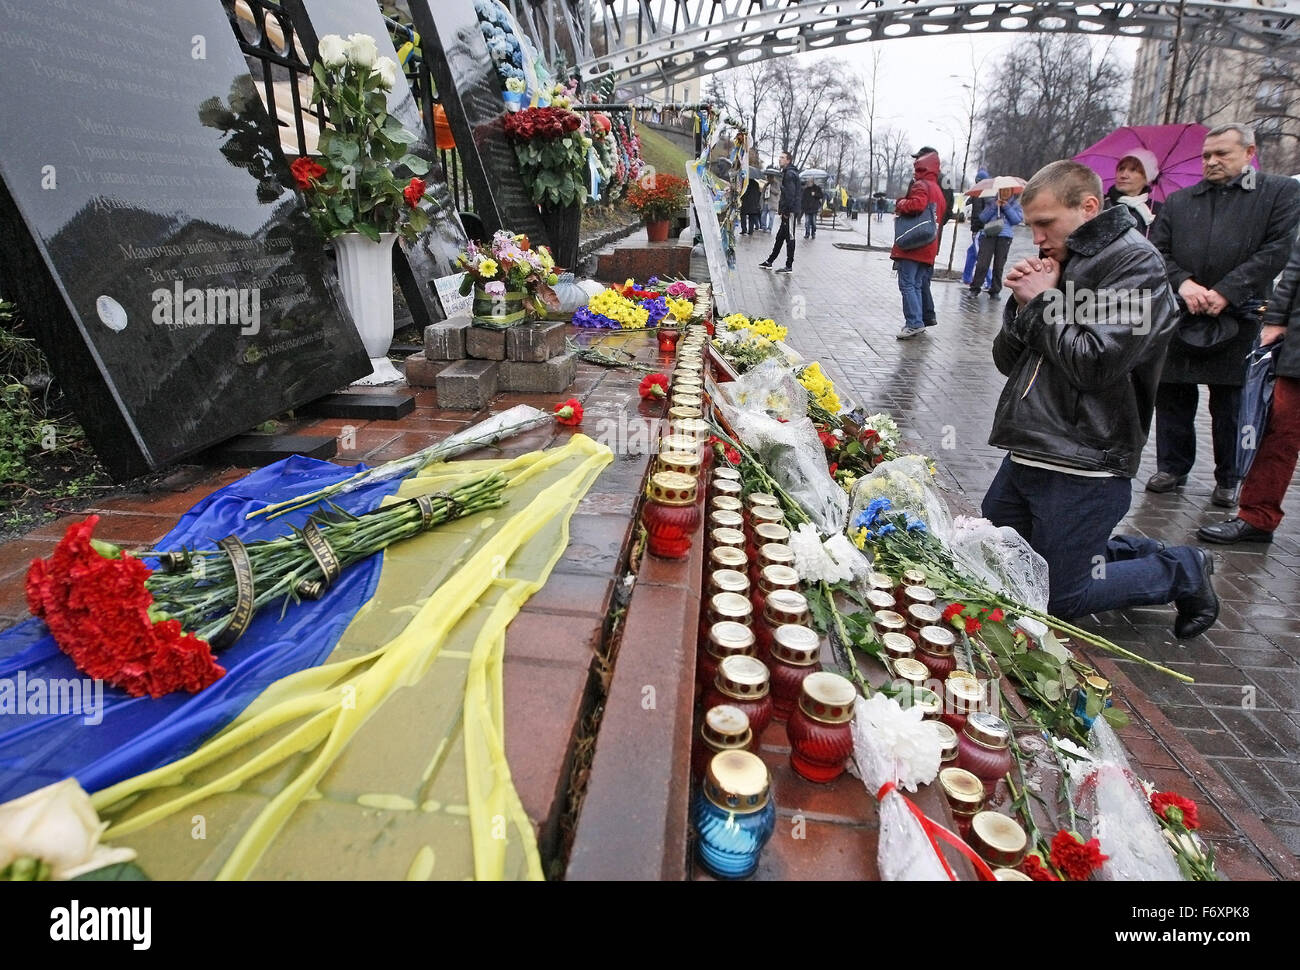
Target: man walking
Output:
[(1223, 239), (787, 211), (811, 203), (1075, 413), (916, 266), (1266, 484)]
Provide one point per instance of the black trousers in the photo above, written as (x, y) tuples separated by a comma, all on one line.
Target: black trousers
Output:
[(992, 251), (785, 234), (749, 221), (1176, 429)]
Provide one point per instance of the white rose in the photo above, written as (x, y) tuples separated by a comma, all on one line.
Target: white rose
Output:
[(333, 50), (362, 50), (58, 825), (386, 69)]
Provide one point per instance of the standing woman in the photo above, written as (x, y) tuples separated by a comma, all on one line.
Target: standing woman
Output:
[(751, 206), (1133, 177), (998, 219)]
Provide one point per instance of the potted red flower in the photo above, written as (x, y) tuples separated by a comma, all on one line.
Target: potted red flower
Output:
[(657, 198)]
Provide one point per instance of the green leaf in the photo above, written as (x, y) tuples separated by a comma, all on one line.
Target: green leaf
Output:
[(1031, 662), (998, 639), (1050, 689), (367, 230), (1115, 717), (343, 212), (416, 164), (118, 872), (1053, 646)]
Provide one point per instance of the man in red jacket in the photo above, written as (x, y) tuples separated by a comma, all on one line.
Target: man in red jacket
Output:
[(916, 266)]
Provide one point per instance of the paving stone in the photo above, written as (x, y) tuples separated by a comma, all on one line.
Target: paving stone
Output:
[(485, 343), (423, 372), (1259, 789), (535, 342), (1215, 744), (549, 377), (446, 340), (467, 385)]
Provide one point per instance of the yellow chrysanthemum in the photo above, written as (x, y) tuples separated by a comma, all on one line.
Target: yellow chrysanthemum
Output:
[(488, 267), (681, 310)]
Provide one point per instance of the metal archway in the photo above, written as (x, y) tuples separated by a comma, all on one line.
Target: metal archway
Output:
[(668, 41)]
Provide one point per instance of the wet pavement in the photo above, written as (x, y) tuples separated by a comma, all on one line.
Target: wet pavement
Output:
[(1243, 713)]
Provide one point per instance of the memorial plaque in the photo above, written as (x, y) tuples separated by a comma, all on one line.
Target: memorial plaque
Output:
[(433, 253), (150, 232), (469, 90), (722, 270)]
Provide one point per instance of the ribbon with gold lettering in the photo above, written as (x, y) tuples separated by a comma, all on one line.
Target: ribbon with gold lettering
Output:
[(242, 614)]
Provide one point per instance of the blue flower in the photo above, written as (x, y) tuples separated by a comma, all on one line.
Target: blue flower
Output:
[(886, 529), (914, 524)]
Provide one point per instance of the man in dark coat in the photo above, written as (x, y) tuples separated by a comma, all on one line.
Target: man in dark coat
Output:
[(787, 211), (751, 205), (1081, 345), (1266, 484), (1223, 239), (813, 198)]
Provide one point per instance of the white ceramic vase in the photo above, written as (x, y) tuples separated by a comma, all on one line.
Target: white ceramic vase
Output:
[(366, 278)]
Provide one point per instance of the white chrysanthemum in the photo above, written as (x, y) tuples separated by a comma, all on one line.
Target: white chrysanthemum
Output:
[(811, 560), (333, 50), (892, 743), (386, 69), (885, 426), (362, 50)]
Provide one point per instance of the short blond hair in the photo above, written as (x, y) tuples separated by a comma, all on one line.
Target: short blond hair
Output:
[(1069, 181)]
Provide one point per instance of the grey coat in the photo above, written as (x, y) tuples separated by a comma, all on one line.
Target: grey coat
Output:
[(1284, 311), (1233, 240)]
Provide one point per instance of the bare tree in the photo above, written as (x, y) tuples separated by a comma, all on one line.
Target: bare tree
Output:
[(1049, 98), (894, 160), (812, 102)]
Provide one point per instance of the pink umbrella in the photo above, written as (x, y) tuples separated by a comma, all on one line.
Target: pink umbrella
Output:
[(1176, 149)]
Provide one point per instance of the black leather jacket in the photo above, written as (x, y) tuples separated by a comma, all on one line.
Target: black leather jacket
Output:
[(1081, 382), (791, 192)]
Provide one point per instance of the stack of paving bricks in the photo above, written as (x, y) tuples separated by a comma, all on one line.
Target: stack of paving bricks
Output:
[(469, 365)]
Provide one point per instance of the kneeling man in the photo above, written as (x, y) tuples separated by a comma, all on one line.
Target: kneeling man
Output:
[(1082, 344)]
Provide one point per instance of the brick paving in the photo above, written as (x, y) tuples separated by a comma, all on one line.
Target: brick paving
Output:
[(1243, 713)]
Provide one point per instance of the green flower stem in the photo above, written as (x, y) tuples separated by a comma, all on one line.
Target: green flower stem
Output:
[(843, 634)]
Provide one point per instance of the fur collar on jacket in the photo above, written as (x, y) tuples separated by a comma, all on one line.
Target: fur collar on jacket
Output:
[(1102, 230)]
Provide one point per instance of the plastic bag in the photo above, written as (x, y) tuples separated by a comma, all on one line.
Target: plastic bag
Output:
[(910, 488), (999, 558), (768, 388), (1122, 820)]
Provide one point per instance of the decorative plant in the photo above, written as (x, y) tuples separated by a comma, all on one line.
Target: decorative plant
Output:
[(552, 154), (350, 186), (665, 196)]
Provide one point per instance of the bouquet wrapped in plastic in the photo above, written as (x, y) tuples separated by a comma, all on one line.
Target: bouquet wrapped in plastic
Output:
[(1001, 559), (910, 488)]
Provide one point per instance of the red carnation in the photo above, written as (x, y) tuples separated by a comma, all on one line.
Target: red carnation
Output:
[(733, 456), (828, 440), (569, 413), (1033, 868), (1074, 857), (834, 468), (972, 626), (1176, 809), (304, 170), (414, 192), (654, 385), (997, 616), (952, 610)]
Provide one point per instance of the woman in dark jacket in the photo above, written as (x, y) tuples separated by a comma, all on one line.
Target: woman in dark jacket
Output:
[(1265, 486), (1133, 177), (751, 207)]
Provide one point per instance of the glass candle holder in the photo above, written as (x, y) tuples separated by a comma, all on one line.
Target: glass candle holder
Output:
[(915, 596), (724, 519), (680, 442), (723, 486), (962, 697), (919, 616), (730, 474), (771, 578), (734, 815), (821, 727), (934, 648), (727, 581), (964, 794), (782, 606), (947, 743), (774, 532), (760, 499), (897, 646), (913, 577), (731, 539), (682, 412), (881, 581), (682, 462), (911, 672), (768, 554), (743, 682), (724, 639), (670, 515), (887, 621), (998, 839), (723, 728), (984, 749), (668, 337), (726, 502), (879, 601), (685, 400), (727, 557), (795, 654)]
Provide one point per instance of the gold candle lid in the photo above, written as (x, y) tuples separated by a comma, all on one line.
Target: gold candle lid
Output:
[(1099, 684), (725, 519), (947, 740), (729, 638), (912, 671), (728, 502), (988, 730), (775, 554), (725, 486), (961, 787), (1002, 837), (693, 402), (897, 645), (672, 488), (930, 703), (728, 557), (730, 606), (827, 697), (742, 677), (920, 594), (724, 536), (921, 615), (766, 532), (682, 462), (762, 498), (764, 513), (728, 473), (964, 696), (726, 726), (937, 639), (693, 427), (776, 577), (913, 577), (877, 580), (785, 606), (683, 412), (890, 622), (880, 601), (1010, 875), (796, 645), (678, 442), (737, 781), (729, 581)]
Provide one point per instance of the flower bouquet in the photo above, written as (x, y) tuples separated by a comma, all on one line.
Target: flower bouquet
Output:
[(658, 201), (153, 630), (623, 305), (512, 281), (552, 154)]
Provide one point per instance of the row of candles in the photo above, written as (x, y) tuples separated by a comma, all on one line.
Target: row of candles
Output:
[(759, 658)]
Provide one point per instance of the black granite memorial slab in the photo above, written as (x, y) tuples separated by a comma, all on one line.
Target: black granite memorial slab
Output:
[(150, 234), (469, 90), (433, 253), (256, 450), (380, 405)]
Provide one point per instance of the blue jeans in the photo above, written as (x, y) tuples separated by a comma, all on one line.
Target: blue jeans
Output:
[(914, 284), (972, 256), (1068, 519), (765, 219), (809, 225)]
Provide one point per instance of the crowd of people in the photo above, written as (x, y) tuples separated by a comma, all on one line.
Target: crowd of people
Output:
[(1177, 297)]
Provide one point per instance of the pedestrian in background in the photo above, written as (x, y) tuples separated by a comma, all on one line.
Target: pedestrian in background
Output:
[(751, 206), (975, 206), (1223, 239), (998, 219), (771, 192), (787, 212), (1133, 177), (1266, 483), (916, 266), (811, 204)]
